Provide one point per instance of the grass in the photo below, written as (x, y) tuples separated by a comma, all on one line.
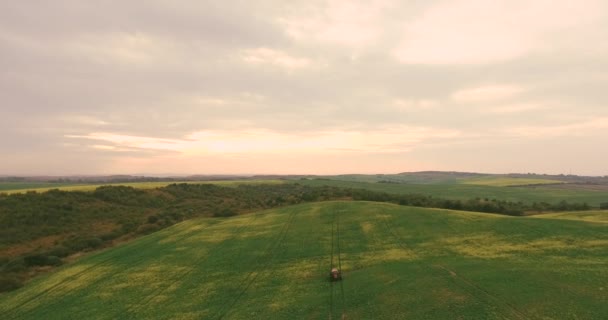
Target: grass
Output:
[(508, 181), (5, 187), (468, 191), (398, 263), (11, 186), (600, 216)]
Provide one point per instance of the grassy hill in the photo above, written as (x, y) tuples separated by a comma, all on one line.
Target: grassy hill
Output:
[(398, 262)]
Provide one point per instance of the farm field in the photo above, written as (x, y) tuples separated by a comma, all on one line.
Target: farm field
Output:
[(508, 182), (446, 178), (11, 186), (467, 191), (42, 187), (600, 216), (398, 262)]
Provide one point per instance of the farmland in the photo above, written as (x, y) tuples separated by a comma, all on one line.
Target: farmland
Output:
[(12, 188), (508, 182), (398, 262), (462, 191)]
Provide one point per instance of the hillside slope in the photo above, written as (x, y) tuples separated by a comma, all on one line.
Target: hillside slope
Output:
[(398, 262)]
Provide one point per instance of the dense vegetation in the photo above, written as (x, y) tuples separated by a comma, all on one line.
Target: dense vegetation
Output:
[(40, 230), (398, 262)]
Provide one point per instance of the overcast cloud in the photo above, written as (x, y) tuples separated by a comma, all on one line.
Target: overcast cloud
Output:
[(321, 87)]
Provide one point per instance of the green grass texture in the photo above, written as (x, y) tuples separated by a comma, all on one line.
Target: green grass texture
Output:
[(397, 262)]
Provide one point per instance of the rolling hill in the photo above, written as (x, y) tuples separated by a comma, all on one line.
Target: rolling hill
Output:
[(398, 262)]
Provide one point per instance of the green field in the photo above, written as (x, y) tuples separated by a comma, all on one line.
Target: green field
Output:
[(600, 216), (467, 191), (11, 188), (499, 180), (398, 263), (508, 182)]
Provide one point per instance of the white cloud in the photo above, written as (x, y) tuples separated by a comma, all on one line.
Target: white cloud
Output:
[(266, 56), (587, 127), (257, 141), (126, 48), (482, 31), (414, 104), (515, 108), (487, 93), (342, 22)]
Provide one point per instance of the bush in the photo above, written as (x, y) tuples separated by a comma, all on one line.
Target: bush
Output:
[(42, 260), (80, 244), (129, 226), (148, 228), (15, 265), (111, 235), (152, 219), (9, 282), (226, 212), (59, 251), (604, 205), (53, 261)]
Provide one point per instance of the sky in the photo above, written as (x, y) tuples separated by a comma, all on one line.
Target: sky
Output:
[(303, 87)]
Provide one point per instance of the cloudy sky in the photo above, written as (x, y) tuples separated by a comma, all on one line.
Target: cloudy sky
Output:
[(272, 86)]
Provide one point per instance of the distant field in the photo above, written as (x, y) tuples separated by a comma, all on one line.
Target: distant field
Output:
[(508, 182), (398, 263), (468, 191), (417, 178), (139, 185), (10, 186), (600, 216)]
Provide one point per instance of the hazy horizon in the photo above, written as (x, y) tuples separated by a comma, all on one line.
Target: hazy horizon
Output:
[(304, 87)]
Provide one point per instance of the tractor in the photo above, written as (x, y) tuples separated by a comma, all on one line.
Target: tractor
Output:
[(335, 275)]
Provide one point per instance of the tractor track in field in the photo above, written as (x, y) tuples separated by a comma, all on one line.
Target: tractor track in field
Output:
[(469, 283), (336, 239), (488, 294), (196, 264), (252, 276), (331, 265), (77, 275)]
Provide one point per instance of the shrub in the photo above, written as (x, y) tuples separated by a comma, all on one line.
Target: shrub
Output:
[(148, 228), (226, 212), (604, 205), (53, 261), (42, 260), (9, 282), (59, 251), (110, 235), (15, 265), (129, 226), (80, 244)]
